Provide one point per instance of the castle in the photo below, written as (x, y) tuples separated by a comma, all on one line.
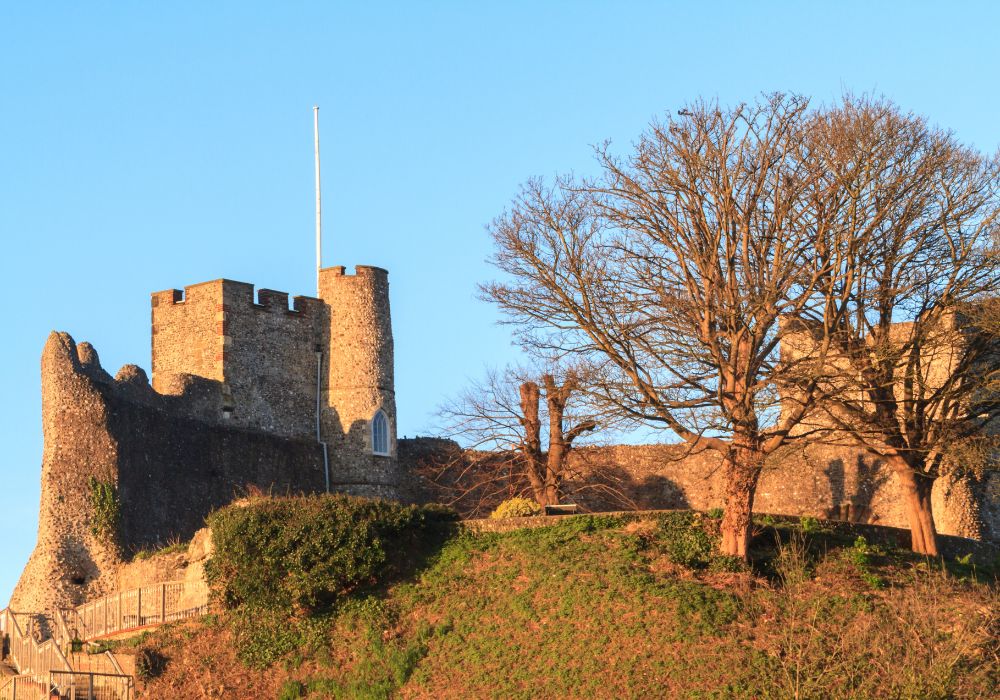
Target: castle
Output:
[(249, 393), (246, 393)]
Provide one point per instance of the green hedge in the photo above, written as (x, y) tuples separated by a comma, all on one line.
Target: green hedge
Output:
[(301, 554)]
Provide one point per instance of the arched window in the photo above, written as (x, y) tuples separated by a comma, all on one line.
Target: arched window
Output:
[(380, 433)]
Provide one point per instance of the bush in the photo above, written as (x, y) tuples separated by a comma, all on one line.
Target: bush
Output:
[(794, 563), (809, 524), (149, 663), (516, 508), (301, 554), (728, 564), (767, 520), (861, 555), (687, 539)]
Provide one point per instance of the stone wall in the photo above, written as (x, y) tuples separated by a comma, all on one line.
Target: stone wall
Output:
[(169, 471), (817, 480), (267, 360), (187, 333), (263, 352), (271, 361), (240, 387), (187, 566)]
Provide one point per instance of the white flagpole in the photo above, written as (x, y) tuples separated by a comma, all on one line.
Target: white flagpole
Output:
[(319, 209)]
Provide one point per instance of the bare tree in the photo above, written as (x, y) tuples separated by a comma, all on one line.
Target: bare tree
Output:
[(914, 373), (671, 272), (522, 426)]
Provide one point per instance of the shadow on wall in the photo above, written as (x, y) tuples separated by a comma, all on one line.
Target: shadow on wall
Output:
[(610, 487), (856, 506), (475, 483)]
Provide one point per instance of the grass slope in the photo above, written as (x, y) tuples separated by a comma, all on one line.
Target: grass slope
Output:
[(599, 607)]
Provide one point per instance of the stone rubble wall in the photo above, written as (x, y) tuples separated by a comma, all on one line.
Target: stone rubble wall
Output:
[(169, 470), (240, 384), (187, 566), (69, 563), (265, 360), (262, 351), (822, 481)]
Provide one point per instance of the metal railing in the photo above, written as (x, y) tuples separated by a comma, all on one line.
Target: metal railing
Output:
[(28, 655), (139, 607), (45, 667), (69, 685), (104, 662)]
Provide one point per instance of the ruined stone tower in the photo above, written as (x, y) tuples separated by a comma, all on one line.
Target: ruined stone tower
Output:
[(246, 392)]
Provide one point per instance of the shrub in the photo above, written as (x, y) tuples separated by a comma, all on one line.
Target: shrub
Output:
[(149, 663), (728, 564), (767, 520), (715, 513), (516, 508), (686, 539), (809, 524), (302, 554), (794, 563), (174, 547), (860, 555)]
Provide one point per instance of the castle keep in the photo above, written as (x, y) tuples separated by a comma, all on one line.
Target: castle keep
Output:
[(252, 391), (246, 392)]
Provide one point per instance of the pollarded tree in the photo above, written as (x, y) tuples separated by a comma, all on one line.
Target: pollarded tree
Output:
[(523, 426), (671, 272), (914, 371)]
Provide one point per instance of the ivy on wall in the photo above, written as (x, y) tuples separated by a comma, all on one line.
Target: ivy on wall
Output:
[(105, 509)]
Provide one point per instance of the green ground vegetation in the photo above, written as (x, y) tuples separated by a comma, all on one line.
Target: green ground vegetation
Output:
[(331, 597)]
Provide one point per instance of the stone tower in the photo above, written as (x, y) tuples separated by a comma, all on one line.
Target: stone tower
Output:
[(358, 370), (324, 363), (246, 391)]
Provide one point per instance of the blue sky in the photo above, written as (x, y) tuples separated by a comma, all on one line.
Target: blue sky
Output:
[(146, 146)]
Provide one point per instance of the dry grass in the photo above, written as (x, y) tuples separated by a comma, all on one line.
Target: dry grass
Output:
[(597, 608)]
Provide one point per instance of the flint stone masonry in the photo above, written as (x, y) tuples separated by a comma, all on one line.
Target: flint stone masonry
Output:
[(187, 566), (245, 390), (262, 352), (360, 335), (822, 481), (169, 472)]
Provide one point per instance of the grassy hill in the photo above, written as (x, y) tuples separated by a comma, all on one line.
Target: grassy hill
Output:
[(397, 602)]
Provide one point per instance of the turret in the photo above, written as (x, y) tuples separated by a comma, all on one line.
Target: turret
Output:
[(360, 401)]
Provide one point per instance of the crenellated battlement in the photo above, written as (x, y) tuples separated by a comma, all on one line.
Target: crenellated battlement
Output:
[(359, 271), (248, 388), (233, 295), (265, 349)]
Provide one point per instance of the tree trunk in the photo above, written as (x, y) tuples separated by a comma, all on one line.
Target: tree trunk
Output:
[(531, 448), (742, 466), (916, 492)]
